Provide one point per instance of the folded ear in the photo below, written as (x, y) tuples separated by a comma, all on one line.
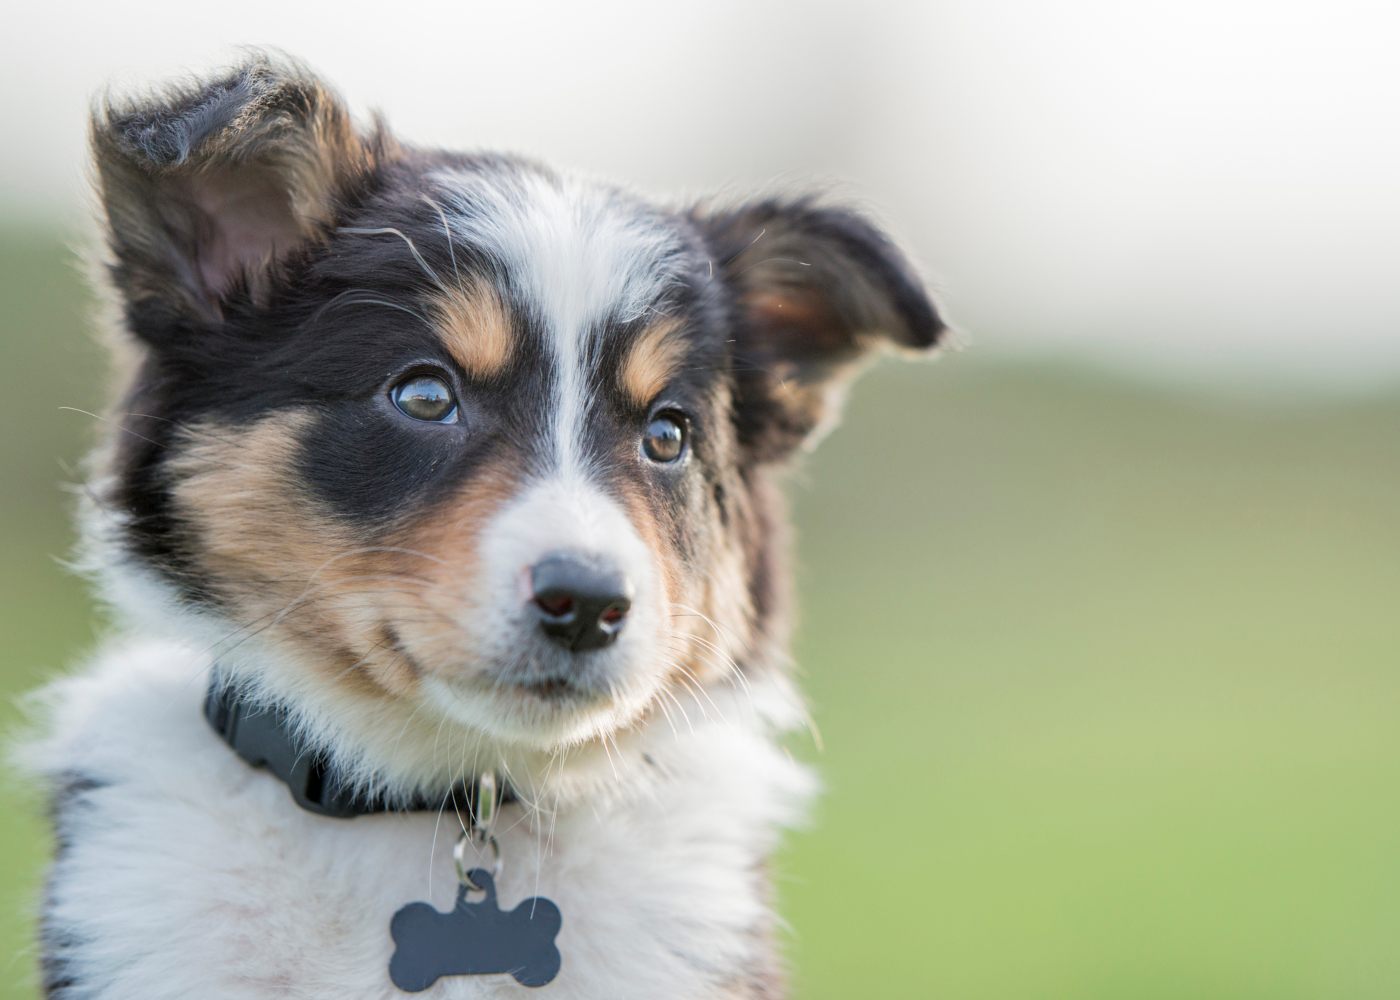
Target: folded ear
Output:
[(207, 186), (817, 290)]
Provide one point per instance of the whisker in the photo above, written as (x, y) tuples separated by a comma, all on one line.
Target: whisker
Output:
[(447, 236), (362, 297), (412, 247)]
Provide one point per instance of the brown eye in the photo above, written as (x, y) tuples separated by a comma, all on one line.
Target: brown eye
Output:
[(664, 440), (425, 397)]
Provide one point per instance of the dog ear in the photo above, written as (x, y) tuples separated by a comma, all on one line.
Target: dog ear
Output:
[(207, 187), (817, 290)]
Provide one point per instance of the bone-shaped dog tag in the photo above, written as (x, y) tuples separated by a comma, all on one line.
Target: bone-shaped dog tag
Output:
[(475, 939)]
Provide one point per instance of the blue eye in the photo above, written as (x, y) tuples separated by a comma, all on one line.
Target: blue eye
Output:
[(425, 397)]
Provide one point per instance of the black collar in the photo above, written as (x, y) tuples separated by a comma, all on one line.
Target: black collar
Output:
[(263, 737)]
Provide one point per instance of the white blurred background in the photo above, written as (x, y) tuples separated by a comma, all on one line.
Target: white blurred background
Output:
[(1194, 190)]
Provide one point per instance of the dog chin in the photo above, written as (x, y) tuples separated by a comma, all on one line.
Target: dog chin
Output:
[(542, 714)]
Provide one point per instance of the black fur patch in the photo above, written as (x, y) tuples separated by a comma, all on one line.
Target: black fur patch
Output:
[(58, 978)]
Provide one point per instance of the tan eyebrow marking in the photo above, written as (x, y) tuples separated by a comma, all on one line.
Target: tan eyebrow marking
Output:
[(476, 329), (651, 361)]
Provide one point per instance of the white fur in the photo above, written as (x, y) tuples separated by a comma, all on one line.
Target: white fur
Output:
[(553, 514), (190, 874)]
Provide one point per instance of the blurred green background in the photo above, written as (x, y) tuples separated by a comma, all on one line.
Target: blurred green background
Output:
[(1106, 674)]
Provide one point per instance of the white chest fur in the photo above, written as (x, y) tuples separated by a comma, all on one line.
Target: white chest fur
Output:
[(185, 873)]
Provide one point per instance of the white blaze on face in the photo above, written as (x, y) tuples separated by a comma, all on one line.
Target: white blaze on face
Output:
[(564, 514), (577, 257), (556, 513)]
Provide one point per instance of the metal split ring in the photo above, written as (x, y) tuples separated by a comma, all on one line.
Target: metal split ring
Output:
[(477, 838), (467, 854)]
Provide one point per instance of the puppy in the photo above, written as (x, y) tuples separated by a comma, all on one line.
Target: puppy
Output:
[(446, 487)]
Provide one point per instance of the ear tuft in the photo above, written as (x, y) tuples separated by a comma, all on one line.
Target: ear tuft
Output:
[(167, 134), (817, 289), (206, 185)]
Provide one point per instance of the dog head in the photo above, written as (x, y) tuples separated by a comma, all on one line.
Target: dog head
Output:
[(457, 431)]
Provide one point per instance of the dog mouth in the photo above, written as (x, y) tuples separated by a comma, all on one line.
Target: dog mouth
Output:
[(577, 685), (553, 689), (533, 694), (544, 685)]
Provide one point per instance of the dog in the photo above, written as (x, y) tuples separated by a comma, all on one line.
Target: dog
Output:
[(441, 507)]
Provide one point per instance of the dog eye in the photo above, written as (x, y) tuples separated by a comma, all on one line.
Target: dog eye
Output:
[(425, 397), (664, 440)]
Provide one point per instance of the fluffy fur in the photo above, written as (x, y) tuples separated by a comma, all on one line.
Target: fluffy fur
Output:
[(264, 502), (183, 873)]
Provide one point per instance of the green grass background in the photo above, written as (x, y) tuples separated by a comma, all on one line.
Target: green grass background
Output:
[(1106, 675)]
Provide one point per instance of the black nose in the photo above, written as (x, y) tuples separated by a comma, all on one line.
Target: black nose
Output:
[(581, 603)]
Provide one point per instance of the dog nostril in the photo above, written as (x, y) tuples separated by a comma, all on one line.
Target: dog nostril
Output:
[(581, 602), (556, 605)]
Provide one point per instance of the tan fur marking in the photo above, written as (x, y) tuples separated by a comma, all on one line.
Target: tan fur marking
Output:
[(651, 362), (430, 622), (475, 327), (699, 651), (369, 613), (281, 564), (235, 486)]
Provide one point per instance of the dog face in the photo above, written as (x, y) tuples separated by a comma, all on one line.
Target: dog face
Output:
[(459, 431)]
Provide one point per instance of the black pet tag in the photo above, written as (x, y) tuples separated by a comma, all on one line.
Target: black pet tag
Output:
[(475, 939)]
